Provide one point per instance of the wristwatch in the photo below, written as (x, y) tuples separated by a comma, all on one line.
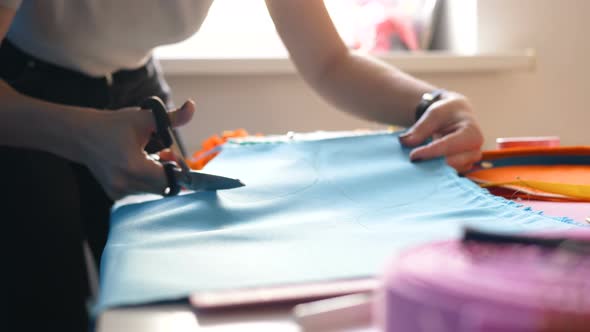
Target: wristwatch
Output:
[(428, 99)]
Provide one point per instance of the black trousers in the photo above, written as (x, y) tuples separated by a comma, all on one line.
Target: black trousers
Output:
[(51, 205)]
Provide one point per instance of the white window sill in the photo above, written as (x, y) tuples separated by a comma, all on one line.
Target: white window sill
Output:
[(415, 63)]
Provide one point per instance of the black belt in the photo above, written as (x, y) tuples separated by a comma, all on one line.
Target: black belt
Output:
[(14, 61), (122, 88)]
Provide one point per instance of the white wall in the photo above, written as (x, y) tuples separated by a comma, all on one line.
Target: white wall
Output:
[(552, 100), (547, 101)]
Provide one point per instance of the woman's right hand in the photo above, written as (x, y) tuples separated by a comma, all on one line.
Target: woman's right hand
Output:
[(110, 144), (112, 147)]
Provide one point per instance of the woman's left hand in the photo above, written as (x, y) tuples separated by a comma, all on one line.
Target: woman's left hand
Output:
[(454, 131)]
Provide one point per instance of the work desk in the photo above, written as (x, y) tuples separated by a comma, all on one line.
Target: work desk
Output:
[(179, 317)]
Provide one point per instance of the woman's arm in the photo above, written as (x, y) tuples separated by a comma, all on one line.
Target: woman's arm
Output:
[(110, 144), (372, 89), (6, 16), (355, 83)]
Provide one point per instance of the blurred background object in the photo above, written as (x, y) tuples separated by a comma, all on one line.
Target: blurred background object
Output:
[(389, 25)]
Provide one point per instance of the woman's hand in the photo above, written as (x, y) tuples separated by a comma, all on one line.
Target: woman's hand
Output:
[(455, 132), (113, 145)]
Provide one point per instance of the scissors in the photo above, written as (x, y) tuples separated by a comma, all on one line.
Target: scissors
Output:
[(178, 174)]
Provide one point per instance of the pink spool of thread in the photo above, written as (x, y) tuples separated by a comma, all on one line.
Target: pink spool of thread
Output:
[(481, 287)]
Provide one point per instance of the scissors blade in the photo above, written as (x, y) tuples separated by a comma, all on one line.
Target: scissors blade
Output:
[(202, 181)]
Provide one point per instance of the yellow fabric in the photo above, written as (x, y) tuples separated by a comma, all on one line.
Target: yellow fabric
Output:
[(572, 190)]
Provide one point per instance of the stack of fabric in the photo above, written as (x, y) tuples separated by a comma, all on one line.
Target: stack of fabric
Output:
[(536, 173)]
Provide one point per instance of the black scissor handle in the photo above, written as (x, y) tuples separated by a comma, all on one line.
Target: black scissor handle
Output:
[(161, 139), (173, 186)]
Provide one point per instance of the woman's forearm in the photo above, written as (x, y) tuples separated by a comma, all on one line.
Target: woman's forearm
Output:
[(360, 85), (371, 89), (27, 122)]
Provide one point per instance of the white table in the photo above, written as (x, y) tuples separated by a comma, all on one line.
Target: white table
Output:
[(181, 318)]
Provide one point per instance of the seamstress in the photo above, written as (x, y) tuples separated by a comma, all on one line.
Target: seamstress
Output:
[(65, 159)]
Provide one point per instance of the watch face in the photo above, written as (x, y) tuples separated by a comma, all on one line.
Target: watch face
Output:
[(433, 95), (428, 96)]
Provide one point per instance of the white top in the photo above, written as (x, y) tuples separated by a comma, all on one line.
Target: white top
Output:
[(98, 37)]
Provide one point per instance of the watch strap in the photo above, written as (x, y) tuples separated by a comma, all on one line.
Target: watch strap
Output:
[(427, 100)]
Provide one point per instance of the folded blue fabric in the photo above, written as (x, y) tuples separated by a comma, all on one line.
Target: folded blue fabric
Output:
[(310, 211)]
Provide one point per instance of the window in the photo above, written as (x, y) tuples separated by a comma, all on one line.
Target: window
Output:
[(243, 29)]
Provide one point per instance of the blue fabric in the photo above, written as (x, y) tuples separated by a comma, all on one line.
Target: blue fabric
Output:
[(310, 211)]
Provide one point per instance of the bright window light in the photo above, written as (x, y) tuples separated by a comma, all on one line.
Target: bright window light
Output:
[(244, 29)]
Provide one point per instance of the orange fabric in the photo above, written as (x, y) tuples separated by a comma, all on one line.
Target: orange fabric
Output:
[(574, 174), (208, 147), (510, 181), (212, 142), (563, 174), (527, 194)]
